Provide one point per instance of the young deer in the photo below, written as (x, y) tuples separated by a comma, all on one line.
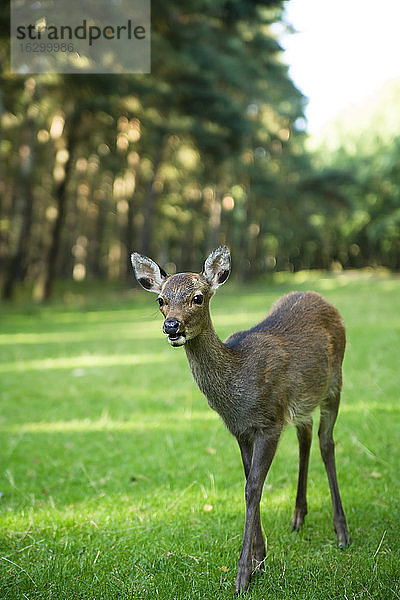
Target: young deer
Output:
[(259, 380)]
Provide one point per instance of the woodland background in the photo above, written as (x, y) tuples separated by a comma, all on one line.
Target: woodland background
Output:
[(210, 148)]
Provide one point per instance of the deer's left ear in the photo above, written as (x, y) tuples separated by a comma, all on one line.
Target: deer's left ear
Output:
[(217, 267), (148, 273)]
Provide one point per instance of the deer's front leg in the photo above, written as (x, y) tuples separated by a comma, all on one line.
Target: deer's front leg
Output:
[(258, 553), (263, 452)]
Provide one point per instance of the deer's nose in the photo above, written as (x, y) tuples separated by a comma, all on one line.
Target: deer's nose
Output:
[(171, 326)]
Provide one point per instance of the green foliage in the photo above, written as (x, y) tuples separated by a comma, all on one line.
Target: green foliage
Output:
[(363, 129), (118, 481), (363, 144)]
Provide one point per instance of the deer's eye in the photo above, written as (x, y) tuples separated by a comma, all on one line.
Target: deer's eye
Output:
[(160, 302), (198, 299)]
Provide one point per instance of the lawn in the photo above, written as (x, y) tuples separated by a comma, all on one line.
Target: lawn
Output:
[(118, 482)]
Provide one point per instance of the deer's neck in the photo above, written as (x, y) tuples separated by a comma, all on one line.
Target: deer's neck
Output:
[(212, 364)]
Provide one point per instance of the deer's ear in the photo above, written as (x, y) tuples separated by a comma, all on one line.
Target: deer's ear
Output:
[(217, 267), (150, 276)]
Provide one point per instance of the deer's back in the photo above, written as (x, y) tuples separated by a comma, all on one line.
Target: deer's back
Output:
[(295, 320), (293, 357)]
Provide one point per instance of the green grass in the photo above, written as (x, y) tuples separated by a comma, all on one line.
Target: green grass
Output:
[(119, 482)]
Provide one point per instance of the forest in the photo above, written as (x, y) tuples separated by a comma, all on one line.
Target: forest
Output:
[(211, 147)]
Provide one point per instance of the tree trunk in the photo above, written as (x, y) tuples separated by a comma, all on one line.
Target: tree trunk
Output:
[(16, 263), (148, 209), (214, 221), (61, 197)]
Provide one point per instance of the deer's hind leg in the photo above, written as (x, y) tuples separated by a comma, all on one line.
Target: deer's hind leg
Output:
[(329, 412), (304, 436)]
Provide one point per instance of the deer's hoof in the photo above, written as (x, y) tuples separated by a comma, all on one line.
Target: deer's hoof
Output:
[(298, 519), (344, 540), (242, 579), (342, 533)]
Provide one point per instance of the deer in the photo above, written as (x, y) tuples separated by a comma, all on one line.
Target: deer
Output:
[(259, 380)]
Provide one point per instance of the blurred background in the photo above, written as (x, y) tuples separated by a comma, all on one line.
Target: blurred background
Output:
[(217, 145)]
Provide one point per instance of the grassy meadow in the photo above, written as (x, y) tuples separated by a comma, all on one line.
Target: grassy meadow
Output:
[(118, 482)]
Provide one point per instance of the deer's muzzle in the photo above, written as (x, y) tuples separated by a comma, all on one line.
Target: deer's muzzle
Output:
[(174, 329)]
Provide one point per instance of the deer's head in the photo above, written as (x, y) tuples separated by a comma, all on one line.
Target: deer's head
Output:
[(183, 298)]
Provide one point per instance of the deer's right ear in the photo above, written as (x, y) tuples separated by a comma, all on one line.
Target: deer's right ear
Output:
[(150, 276)]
